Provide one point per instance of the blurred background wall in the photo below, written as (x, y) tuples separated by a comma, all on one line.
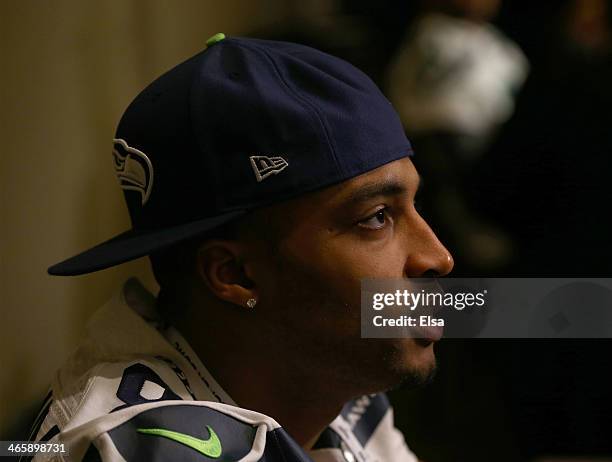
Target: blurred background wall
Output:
[(69, 69)]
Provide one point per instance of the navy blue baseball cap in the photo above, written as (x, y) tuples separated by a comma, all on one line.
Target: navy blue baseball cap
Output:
[(243, 124)]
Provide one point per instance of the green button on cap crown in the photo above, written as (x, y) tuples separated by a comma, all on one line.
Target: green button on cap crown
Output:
[(215, 38)]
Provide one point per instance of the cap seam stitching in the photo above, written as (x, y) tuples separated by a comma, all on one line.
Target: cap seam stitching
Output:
[(304, 102), (314, 109), (195, 81)]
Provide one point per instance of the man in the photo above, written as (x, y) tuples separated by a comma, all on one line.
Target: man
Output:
[(265, 180)]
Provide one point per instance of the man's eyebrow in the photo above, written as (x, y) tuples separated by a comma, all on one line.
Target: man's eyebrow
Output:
[(384, 189)]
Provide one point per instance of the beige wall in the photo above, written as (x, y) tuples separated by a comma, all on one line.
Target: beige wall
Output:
[(69, 68)]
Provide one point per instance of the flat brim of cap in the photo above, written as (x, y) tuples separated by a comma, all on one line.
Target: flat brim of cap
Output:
[(134, 244)]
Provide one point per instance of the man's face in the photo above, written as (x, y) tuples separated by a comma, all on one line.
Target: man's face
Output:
[(309, 288)]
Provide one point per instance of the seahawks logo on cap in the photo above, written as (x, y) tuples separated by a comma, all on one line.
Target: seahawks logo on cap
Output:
[(133, 169), (264, 166)]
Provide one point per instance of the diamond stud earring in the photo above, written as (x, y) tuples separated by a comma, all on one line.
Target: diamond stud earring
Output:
[(251, 302)]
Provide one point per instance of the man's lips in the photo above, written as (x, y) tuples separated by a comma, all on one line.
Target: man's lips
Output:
[(428, 333)]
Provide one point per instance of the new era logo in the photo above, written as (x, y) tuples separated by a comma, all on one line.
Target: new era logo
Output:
[(264, 166)]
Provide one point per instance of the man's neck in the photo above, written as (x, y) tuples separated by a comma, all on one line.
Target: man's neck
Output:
[(291, 390)]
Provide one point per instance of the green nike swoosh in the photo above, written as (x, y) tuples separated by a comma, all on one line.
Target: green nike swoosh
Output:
[(210, 447)]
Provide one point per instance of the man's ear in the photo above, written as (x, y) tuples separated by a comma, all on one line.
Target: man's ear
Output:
[(221, 267)]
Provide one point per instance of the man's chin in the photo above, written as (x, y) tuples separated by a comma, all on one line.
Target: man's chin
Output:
[(410, 364), (388, 364), (416, 377)]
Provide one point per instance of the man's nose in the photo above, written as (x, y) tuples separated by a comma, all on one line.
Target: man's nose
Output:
[(427, 255)]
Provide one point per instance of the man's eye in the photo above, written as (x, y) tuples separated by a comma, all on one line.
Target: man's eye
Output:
[(376, 221)]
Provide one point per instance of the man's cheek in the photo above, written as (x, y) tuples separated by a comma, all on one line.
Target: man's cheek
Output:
[(346, 293), (364, 263)]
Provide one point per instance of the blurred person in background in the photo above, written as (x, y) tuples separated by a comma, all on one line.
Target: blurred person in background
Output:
[(454, 81), (549, 168), (546, 180), (542, 178)]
